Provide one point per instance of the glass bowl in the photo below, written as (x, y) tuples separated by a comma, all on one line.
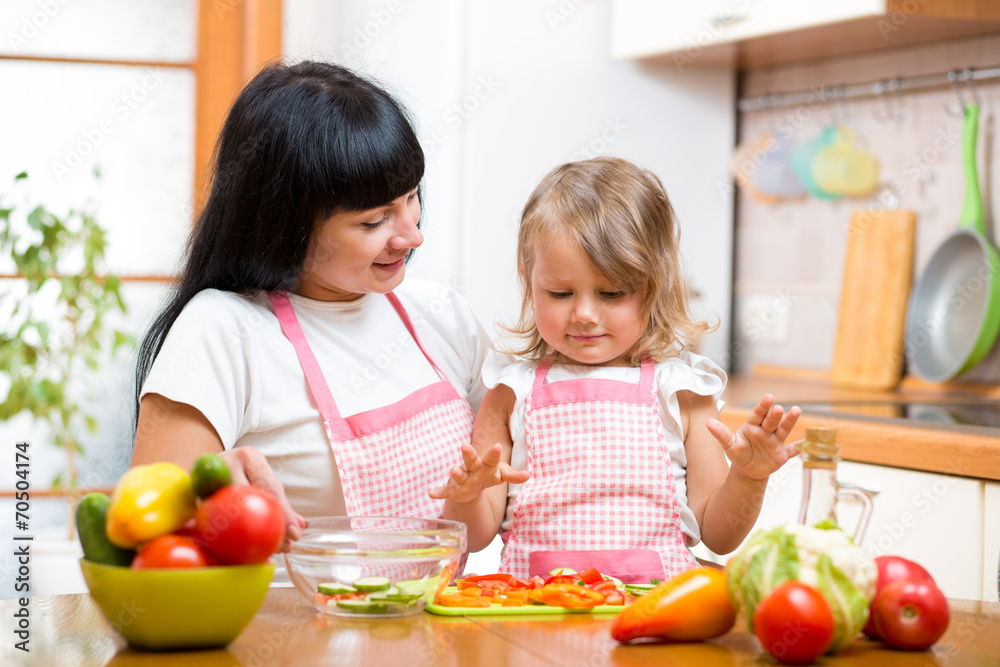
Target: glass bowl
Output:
[(374, 567)]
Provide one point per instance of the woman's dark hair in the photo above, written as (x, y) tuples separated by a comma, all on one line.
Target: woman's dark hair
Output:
[(301, 142)]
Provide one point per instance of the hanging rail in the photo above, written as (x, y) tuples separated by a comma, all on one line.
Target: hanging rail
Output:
[(894, 86)]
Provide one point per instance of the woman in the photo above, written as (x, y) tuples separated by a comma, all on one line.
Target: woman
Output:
[(283, 345)]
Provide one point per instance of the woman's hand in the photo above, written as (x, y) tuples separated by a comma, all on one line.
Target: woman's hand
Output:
[(249, 466), (758, 448), (475, 475)]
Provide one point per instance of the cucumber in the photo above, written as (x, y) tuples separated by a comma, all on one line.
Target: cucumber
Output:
[(363, 606), (383, 595), (335, 588), (559, 571), (209, 474), (372, 584), (91, 516), (407, 598)]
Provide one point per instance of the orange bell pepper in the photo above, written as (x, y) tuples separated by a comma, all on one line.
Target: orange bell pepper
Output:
[(567, 595), (515, 599), (459, 600), (693, 606)]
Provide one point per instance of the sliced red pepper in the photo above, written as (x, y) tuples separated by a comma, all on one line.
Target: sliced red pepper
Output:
[(614, 598), (604, 586), (590, 576), (562, 579)]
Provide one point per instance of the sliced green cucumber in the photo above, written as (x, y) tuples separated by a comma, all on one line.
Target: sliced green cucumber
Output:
[(639, 589), (383, 595), (372, 584), (559, 571), (396, 607), (336, 588), (407, 598), (363, 606)]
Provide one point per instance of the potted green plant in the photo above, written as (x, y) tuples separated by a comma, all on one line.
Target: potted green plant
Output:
[(54, 329)]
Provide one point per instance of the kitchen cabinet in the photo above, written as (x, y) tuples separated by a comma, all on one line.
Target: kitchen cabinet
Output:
[(746, 33), (936, 520), (991, 540)]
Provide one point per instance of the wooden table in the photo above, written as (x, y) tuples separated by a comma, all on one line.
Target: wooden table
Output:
[(69, 630)]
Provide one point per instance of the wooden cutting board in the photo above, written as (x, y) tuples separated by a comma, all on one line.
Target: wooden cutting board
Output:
[(878, 275)]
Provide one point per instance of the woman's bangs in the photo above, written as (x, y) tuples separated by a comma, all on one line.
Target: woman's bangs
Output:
[(372, 166)]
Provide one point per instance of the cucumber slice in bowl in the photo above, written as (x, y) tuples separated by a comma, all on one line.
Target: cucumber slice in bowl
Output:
[(372, 584), (335, 588), (363, 606)]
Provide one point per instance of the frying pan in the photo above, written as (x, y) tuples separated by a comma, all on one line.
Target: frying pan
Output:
[(954, 313)]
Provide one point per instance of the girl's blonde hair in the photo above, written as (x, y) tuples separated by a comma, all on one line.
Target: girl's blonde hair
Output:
[(620, 216)]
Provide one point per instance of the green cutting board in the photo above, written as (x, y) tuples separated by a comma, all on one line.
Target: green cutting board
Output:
[(525, 610)]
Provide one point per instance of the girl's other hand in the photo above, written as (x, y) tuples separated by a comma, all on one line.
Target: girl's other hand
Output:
[(758, 448), (249, 466), (475, 475)]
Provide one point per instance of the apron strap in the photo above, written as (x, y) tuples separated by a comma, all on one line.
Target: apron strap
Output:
[(314, 376), (310, 366), (646, 376), (542, 371), (403, 315)]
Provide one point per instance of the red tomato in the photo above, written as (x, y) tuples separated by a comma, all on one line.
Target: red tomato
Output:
[(794, 623), (890, 569), (910, 614), (171, 551), (240, 524)]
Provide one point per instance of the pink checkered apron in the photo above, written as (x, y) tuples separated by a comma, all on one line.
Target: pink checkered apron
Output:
[(388, 457), (601, 492)]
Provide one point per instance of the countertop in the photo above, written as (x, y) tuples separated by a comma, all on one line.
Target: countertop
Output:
[(69, 630), (874, 433)]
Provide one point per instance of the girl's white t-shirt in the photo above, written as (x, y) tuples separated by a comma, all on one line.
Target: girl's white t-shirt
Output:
[(227, 356), (687, 371)]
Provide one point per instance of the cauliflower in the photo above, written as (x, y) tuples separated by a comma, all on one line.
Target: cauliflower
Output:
[(823, 557)]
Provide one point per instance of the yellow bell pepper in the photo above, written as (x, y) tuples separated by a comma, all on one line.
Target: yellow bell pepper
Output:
[(149, 501)]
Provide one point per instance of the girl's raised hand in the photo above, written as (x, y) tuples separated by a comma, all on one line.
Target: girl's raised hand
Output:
[(475, 475), (758, 448)]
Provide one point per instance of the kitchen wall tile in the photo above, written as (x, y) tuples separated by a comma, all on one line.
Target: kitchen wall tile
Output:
[(800, 245)]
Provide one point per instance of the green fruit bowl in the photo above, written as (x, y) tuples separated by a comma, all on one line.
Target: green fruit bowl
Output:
[(184, 608)]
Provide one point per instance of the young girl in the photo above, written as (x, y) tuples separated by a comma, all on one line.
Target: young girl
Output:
[(598, 444)]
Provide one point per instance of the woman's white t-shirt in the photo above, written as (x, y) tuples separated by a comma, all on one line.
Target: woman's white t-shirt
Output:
[(226, 356), (687, 371)]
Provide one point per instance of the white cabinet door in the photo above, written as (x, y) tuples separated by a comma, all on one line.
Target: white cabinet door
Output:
[(648, 27), (935, 520), (991, 540)]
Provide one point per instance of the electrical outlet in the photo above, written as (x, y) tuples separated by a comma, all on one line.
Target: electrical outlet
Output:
[(766, 318)]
